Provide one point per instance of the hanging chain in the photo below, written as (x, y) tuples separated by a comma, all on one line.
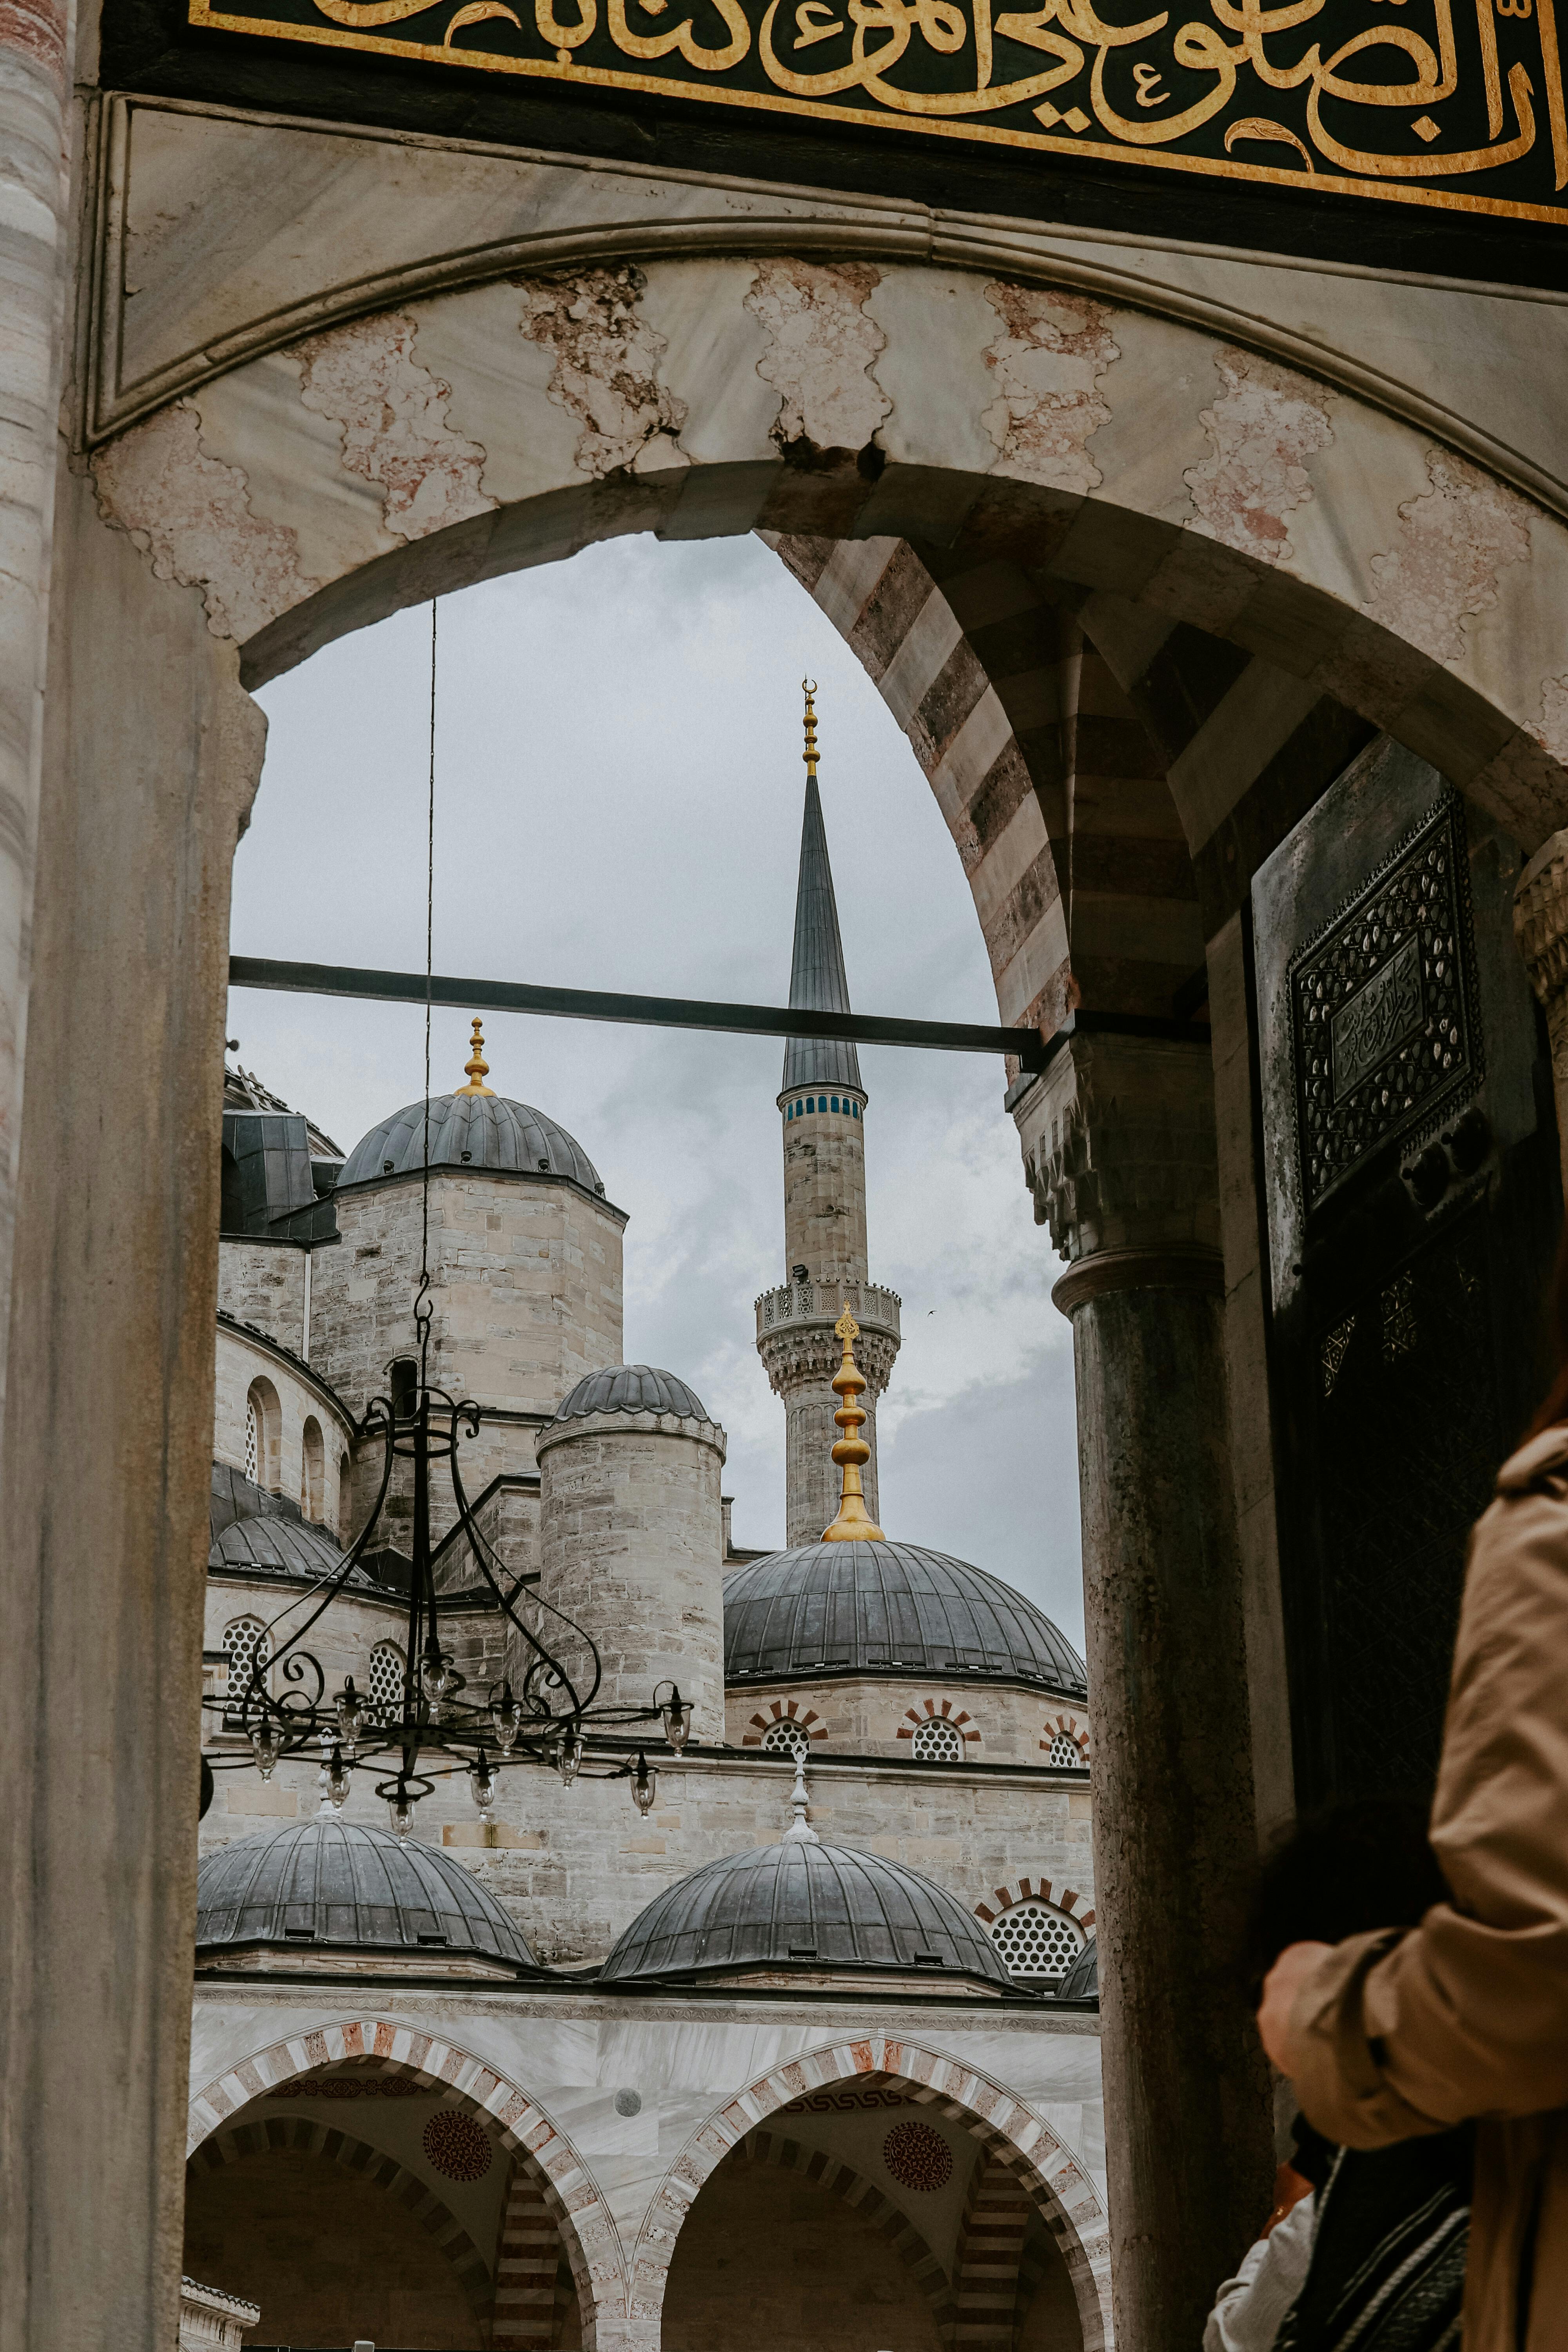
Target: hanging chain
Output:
[(422, 1298)]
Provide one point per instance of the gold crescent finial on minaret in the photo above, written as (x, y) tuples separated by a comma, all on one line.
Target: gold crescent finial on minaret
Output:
[(477, 1069), (854, 1523), (809, 687)]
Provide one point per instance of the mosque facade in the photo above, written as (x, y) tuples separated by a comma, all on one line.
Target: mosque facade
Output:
[(804, 2046)]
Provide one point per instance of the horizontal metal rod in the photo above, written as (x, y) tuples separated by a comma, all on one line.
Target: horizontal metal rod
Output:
[(658, 1012)]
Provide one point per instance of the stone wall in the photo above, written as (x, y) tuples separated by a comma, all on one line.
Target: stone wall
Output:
[(632, 1543), (877, 1714), (328, 2258), (241, 1360), (263, 1283)]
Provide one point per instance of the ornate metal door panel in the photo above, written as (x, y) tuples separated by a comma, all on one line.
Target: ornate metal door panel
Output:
[(1412, 1199)]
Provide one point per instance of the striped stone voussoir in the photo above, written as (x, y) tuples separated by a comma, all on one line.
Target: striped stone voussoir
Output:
[(1010, 2133), (586, 2226)]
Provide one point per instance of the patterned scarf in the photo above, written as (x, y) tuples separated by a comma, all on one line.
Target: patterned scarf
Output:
[(1388, 2252)]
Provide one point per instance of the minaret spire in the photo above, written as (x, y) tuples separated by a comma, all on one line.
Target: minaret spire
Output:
[(822, 1106), (818, 980)]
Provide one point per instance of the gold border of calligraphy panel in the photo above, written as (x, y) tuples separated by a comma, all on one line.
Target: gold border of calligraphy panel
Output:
[(992, 134)]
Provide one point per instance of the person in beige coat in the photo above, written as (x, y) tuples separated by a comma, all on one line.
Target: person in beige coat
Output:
[(1398, 2034)]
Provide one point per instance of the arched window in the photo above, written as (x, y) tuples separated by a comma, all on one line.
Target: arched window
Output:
[(403, 1379), (938, 1741), (1036, 1940), (247, 1644), (854, 1111), (786, 1738), (789, 1112), (345, 1498), (836, 1102), (1065, 1755), (386, 1681), (263, 1431), (312, 1472), (799, 1109)]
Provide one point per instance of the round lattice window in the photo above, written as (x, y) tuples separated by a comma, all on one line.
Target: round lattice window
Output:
[(1064, 1754), (249, 1645), (917, 2157), (387, 1682), (455, 2146), (937, 1741), (1036, 1939), (786, 1738)]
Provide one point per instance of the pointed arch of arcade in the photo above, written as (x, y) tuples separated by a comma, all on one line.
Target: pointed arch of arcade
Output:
[(1011, 2134), (851, 2188), (299, 2135), (589, 2237)]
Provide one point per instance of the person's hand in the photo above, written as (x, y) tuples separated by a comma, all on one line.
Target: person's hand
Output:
[(1280, 1987)]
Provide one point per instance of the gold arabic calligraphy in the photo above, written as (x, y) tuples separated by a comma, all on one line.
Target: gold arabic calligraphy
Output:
[(1239, 45)]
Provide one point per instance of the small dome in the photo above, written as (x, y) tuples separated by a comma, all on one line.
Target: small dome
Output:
[(484, 1133), (807, 1907), (341, 1885), (631, 1388), (257, 1534), (858, 1608), (1081, 1981)]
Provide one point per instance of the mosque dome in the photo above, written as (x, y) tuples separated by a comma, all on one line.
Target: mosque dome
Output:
[(257, 1534), (1081, 1981), (870, 1608), (335, 1886), (631, 1388), (485, 1133), (804, 1905)]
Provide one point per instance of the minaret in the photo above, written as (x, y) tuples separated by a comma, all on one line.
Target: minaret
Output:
[(822, 1108)]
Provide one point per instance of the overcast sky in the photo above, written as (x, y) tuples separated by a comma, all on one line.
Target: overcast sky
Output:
[(618, 805)]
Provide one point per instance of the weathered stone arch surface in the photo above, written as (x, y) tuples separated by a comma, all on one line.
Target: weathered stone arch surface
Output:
[(588, 2231), (299, 2135), (1056, 2183)]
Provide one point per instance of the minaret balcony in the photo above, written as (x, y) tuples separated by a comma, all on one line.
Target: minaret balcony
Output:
[(796, 1304)]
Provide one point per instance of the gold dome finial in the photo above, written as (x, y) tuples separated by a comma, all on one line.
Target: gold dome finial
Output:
[(854, 1523), (477, 1069), (809, 687)]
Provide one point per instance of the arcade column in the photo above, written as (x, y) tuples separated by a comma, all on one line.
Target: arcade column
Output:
[(1119, 1145)]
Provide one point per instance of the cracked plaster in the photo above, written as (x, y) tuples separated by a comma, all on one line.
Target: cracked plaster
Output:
[(191, 515), (822, 345), (1453, 540), (607, 373), (1264, 425), (392, 413), (1047, 363)]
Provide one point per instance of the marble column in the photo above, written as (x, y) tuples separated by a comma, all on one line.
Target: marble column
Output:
[(1540, 927), (1118, 1143), (152, 751)]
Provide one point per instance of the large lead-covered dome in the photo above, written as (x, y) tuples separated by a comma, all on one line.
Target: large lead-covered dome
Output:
[(864, 1607), (631, 1388), (810, 1908), (487, 1134), (327, 1885)]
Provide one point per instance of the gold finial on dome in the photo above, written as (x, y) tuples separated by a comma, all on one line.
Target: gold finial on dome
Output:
[(477, 1069), (809, 687), (854, 1523)]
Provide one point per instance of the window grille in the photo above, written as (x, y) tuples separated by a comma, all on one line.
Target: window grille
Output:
[(386, 1681), (1066, 1755), (253, 1443), (786, 1738), (1038, 1940), (938, 1741), (248, 1644)]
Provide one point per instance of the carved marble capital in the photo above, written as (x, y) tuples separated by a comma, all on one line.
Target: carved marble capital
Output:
[(1119, 1154)]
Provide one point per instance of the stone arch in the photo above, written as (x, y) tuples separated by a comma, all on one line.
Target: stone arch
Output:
[(1057, 2186), (979, 509), (1066, 1726), (941, 1710), (588, 2231), (792, 1714), (301, 2136), (1034, 1890), (263, 1434), (853, 2189)]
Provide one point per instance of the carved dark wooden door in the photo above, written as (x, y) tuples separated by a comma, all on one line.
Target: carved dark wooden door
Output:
[(1413, 1202)]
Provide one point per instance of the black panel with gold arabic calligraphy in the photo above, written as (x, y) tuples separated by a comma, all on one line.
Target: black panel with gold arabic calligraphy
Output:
[(1447, 103)]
